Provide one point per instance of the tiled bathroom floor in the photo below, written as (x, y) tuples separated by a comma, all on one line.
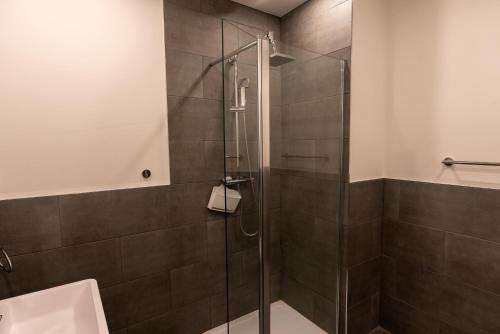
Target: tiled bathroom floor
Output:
[(284, 320)]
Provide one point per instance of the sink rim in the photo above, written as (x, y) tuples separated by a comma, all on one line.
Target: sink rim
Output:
[(96, 300)]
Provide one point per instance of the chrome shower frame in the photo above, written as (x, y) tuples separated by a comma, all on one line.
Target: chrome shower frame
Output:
[(264, 149)]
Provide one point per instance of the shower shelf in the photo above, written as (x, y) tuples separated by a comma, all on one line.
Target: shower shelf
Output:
[(237, 181)]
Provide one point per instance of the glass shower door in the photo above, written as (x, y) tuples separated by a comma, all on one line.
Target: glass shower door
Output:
[(244, 101), (283, 128), (307, 151)]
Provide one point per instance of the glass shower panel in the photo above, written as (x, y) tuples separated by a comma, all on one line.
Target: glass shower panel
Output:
[(306, 144), (242, 166)]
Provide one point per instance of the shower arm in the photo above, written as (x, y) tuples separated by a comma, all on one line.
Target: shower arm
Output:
[(270, 36), (234, 53)]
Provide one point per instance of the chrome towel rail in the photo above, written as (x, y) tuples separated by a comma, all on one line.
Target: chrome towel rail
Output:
[(291, 156), (450, 162)]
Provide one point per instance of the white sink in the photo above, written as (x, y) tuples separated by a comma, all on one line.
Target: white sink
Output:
[(74, 308)]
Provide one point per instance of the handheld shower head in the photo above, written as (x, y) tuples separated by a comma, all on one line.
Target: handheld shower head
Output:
[(245, 82), (243, 85)]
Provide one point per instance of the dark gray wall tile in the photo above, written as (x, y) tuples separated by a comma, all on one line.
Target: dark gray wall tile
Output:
[(417, 286), (216, 240), (184, 73), (298, 296), (236, 272), (108, 214), (318, 277), (214, 160), (314, 237), (401, 318), (218, 310), (121, 331), (5, 286), (195, 282), (486, 223), (331, 29), (188, 204), (191, 31), (391, 200), (152, 252), (191, 4), (275, 287), (418, 253), (187, 161), (363, 317), (29, 225), (115, 307), (147, 297), (212, 80), (243, 300), (275, 223), (191, 319), (447, 329), (194, 119), (236, 240), (310, 79), (473, 261), (423, 245), (37, 271), (364, 281), (296, 193), (365, 201), (388, 282), (362, 242), (469, 308), (250, 266), (312, 195), (325, 313), (435, 205)]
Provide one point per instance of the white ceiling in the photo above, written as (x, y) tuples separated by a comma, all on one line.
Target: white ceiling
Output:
[(275, 7)]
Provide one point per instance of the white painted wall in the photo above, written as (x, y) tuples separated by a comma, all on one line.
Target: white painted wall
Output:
[(82, 96), (444, 84), (369, 88)]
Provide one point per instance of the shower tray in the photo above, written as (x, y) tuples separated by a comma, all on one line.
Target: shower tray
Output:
[(284, 320)]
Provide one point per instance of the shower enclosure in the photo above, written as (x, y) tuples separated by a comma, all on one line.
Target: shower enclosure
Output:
[(283, 134)]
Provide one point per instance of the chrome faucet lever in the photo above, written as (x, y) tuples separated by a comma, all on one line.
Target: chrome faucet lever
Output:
[(8, 265)]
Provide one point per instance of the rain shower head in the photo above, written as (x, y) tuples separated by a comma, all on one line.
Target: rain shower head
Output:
[(278, 59)]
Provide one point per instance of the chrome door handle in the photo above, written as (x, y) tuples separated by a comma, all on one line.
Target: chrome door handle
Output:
[(5, 266)]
